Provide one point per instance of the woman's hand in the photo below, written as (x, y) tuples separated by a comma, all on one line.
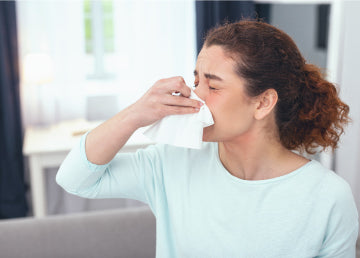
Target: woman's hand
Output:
[(104, 141), (159, 102)]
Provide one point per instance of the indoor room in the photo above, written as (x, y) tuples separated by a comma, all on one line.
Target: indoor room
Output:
[(108, 106)]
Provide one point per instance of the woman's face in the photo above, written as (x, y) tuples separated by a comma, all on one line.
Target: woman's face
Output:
[(224, 93)]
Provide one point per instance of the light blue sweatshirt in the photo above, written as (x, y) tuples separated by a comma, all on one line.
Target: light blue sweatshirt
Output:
[(202, 210)]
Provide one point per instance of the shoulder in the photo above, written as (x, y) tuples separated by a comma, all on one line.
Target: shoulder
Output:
[(333, 186), (328, 189), (324, 179), (337, 204), (335, 193)]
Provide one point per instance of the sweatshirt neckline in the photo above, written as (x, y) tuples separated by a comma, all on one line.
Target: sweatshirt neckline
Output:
[(257, 182)]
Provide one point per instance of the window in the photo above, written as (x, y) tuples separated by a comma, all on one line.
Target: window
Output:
[(135, 43), (99, 37), (149, 40)]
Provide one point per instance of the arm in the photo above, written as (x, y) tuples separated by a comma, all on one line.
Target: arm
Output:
[(103, 142), (128, 175), (343, 227), (107, 139), (92, 170)]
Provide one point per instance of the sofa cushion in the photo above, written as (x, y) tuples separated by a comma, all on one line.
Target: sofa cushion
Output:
[(117, 233)]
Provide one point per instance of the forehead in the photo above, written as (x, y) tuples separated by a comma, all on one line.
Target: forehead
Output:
[(213, 59)]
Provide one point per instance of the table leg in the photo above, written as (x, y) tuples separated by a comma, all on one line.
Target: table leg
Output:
[(37, 186)]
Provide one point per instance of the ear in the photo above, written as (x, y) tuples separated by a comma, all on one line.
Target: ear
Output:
[(265, 103)]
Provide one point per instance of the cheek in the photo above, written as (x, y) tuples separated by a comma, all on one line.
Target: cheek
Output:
[(221, 104), (222, 111), (215, 106), (230, 116)]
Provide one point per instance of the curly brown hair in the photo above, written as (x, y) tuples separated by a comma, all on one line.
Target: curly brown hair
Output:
[(309, 112)]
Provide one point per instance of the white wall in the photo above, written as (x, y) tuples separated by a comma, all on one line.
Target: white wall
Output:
[(347, 157), (300, 22)]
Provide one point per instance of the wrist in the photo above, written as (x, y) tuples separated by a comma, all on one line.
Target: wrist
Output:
[(128, 117)]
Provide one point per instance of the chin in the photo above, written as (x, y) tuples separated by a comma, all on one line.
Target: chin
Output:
[(208, 134)]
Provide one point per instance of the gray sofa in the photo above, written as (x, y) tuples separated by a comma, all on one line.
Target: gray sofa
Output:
[(127, 233)]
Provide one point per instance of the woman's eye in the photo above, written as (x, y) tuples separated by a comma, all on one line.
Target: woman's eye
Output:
[(196, 84)]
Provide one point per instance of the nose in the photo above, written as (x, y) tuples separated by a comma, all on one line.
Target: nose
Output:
[(200, 91)]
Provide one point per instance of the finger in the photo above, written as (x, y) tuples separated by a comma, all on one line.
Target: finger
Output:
[(176, 110), (175, 78), (185, 91), (181, 101), (176, 85)]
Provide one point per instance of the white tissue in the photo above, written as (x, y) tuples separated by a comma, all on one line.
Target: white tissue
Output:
[(182, 130)]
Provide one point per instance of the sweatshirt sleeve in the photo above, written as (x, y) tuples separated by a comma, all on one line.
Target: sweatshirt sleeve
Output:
[(127, 175), (343, 226)]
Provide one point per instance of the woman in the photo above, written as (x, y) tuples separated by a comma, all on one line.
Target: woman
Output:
[(246, 193)]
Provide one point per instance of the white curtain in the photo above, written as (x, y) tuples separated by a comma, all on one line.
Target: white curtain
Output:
[(55, 29), (153, 40)]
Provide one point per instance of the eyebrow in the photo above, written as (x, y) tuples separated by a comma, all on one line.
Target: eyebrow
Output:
[(210, 76)]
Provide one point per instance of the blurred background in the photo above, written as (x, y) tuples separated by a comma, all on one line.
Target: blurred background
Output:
[(68, 65)]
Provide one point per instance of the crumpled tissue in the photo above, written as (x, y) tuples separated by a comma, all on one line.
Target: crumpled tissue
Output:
[(182, 130)]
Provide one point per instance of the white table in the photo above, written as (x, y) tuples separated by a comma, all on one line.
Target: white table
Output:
[(48, 147)]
